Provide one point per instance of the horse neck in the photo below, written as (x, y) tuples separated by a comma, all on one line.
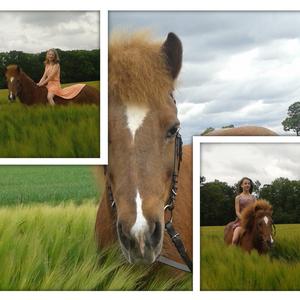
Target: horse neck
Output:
[(182, 213), (29, 89)]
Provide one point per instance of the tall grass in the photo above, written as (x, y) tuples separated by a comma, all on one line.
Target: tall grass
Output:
[(43, 131), (51, 184), (230, 268), (53, 248)]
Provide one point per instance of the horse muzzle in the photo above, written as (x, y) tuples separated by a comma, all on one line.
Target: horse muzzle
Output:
[(11, 97), (143, 247)]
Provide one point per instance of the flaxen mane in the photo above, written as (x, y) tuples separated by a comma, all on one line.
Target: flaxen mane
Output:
[(137, 69), (250, 212)]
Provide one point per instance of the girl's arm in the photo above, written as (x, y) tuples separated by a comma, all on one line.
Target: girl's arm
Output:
[(42, 79), (237, 207)]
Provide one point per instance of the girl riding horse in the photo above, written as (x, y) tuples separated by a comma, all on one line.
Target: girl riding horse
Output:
[(242, 200), (51, 79)]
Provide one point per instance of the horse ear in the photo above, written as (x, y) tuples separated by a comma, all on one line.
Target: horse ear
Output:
[(18, 69), (172, 49)]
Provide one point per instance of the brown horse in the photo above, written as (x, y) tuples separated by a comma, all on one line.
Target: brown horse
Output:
[(242, 131), (257, 228), (22, 86), (143, 127)]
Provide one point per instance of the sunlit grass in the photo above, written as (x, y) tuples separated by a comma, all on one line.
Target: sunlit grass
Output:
[(46, 247), (43, 131), (230, 268)]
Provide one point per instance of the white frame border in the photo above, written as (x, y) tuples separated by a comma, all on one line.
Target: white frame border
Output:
[(197, 142), (103, 107)]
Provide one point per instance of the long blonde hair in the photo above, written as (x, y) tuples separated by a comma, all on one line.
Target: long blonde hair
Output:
[(56, 58)]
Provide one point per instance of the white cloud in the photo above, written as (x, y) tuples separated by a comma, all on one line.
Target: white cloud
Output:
[(263, 162), (38, 31), (240, 68)]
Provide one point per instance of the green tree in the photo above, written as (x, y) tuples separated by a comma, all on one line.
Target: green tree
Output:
[(292, 122), (207, 130)]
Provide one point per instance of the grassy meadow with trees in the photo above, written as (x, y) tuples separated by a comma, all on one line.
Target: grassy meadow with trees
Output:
[(230, 268), (47, 219), (44, 131)]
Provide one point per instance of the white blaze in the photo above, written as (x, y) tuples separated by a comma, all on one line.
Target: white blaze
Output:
[(140, 225), (135, 117), (272, 241), (12, 79), (266, 219)]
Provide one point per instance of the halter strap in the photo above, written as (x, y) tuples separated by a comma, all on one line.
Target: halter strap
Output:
[(170, 205)]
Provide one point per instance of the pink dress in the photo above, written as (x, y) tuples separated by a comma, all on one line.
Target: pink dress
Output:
[(54, 87), (244, 202)]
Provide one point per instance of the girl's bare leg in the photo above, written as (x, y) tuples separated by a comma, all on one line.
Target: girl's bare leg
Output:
[(236, 235), (50, 98)]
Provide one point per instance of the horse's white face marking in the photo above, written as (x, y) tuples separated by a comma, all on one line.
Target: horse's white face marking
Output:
[(135, 117), (10, 95), (272, 241), (266, 219), (12, 79), (141, 225)]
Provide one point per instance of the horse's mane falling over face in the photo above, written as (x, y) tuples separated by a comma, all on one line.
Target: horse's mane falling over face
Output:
[(142, 128), (257, 223), (137, 70)]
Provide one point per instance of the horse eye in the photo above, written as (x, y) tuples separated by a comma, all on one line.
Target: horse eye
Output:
[(173, 131)]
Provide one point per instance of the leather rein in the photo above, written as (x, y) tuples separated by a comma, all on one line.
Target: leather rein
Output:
[(169, 207)]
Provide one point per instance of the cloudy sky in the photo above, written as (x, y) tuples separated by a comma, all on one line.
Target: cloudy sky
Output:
[(263, 162), (38, 31), (240, 68)]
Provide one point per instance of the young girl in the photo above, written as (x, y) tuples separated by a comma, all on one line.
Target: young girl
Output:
[(242, 200), (51, 79)]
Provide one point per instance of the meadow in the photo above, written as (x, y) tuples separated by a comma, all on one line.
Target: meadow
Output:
[(44, 131), (47, 239), (226, 268)]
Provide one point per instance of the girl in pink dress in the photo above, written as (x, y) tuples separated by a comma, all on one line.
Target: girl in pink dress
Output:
[(242, 200), (51, 79)]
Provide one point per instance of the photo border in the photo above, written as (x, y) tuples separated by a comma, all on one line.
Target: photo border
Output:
[(197, 142), (103, 107)]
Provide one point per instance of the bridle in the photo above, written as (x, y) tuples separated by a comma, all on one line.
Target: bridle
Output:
[(169, 207)]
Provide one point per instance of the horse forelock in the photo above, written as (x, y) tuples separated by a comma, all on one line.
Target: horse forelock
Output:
[(259, 209), (137, 70)]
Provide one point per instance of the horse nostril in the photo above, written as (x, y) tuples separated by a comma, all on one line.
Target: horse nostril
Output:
[(156, 234), (123, 236)]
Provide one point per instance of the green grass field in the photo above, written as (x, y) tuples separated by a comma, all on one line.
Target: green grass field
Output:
[(229, 268), (47, 238), (50, 184), (44, 131)]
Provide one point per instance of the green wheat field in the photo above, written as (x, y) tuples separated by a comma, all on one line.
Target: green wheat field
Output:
[(47, 218), (226, 268), (44, 131)]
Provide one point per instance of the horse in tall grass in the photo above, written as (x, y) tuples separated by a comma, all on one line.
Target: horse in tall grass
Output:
[(143, 153), (257, 228), (22, 86)]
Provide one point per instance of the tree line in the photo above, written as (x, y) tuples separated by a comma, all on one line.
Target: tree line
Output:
[(217, 200), (76, 65)]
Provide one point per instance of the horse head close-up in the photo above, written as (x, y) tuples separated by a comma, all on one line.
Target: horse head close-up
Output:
[(258, 229), (145, 174)]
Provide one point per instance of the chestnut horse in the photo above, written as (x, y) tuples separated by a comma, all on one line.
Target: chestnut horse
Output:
[(22, 86), (143, 130), (257, 228), (242, 131)]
